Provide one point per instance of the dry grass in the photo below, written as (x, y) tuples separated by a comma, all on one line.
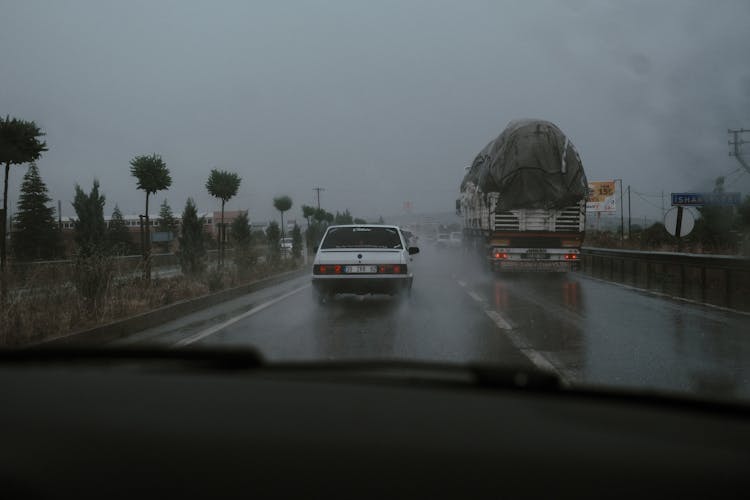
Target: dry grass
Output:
[(34, 311)]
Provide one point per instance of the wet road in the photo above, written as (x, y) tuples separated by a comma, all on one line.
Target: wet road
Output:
[(586, 330)]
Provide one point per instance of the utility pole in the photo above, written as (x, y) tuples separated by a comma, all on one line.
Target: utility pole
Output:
[(59, 216), (629, 215), (318, 190), (662, 205), (736, 143), (622, 217)]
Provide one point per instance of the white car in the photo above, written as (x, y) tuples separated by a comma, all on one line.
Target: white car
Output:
[(286, 246), (456, 240), (362, 259)]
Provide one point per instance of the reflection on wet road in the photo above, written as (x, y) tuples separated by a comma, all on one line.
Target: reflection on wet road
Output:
[(585, 330)]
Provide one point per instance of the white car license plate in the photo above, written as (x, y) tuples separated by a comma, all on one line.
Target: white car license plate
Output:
[(360, 269)]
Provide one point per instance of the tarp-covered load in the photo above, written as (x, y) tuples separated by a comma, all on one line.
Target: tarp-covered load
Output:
[(531, 164)]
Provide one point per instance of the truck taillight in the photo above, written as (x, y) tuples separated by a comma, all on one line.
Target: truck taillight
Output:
[(571, 256), (500, 255)]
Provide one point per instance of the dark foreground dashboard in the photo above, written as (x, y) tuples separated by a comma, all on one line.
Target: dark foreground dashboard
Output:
[(129, 428)]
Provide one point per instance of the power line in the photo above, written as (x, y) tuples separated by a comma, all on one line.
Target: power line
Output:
[(647, 201)]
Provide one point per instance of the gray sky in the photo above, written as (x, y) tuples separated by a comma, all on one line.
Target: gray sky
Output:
[(378, 102)]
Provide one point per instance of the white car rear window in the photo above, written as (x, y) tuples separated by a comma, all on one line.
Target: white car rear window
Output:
[(362, 237)]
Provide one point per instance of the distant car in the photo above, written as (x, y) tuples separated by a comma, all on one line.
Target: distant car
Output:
[(443, 240), (411, 238), (362, 259), (286, 246), (456, 240)]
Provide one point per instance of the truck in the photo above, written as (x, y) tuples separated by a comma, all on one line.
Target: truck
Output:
[(523, 200)]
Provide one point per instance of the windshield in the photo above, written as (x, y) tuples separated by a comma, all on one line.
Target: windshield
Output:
[(572, 179), (362, 237)]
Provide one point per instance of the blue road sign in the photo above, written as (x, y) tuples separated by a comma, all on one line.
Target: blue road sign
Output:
[(701, 199)]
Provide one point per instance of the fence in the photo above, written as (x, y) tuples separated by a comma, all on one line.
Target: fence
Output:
[(711, 279)]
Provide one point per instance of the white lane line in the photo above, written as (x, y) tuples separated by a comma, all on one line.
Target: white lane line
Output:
[(545, 364), (210, 331), (475, 296), (516, 339), (462, 283), (498, 319)]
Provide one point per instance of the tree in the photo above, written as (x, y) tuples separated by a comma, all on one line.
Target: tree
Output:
[(167, 223), (273, 235), (714, 230), (282, 204), (152, 175), (743, 211), (380, 220), (343, 218), (19, 143), (359, 221), (90, 228), (242, 239), (36, 235), (223, 185), (192, 253), (308, 212), (296, 242), (119, 241)]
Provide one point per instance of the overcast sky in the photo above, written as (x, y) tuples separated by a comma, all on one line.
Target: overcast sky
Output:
[(378, 102)]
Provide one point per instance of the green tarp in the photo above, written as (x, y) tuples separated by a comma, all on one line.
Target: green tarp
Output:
[(531, 164)]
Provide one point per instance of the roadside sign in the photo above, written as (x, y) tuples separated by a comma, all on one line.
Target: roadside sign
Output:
[(601, 197), (161, 237), (678, 219), (701, 199)]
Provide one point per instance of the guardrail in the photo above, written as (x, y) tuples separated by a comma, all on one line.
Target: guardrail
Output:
[(712, 279)]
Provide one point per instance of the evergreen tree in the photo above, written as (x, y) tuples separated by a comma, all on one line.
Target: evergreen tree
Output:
[(273, 238), (90, 228), (36, 235), (19, 143), (296, 242), (192, 241), (343, 218), (242, 239), (715, 230), (119, 239), (167, 223)]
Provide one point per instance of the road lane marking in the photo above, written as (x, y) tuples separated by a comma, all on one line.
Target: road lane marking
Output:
[(517, 340), (216, 328), (498, 319)]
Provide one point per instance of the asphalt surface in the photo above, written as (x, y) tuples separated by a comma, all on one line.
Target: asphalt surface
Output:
[(587, 331)]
